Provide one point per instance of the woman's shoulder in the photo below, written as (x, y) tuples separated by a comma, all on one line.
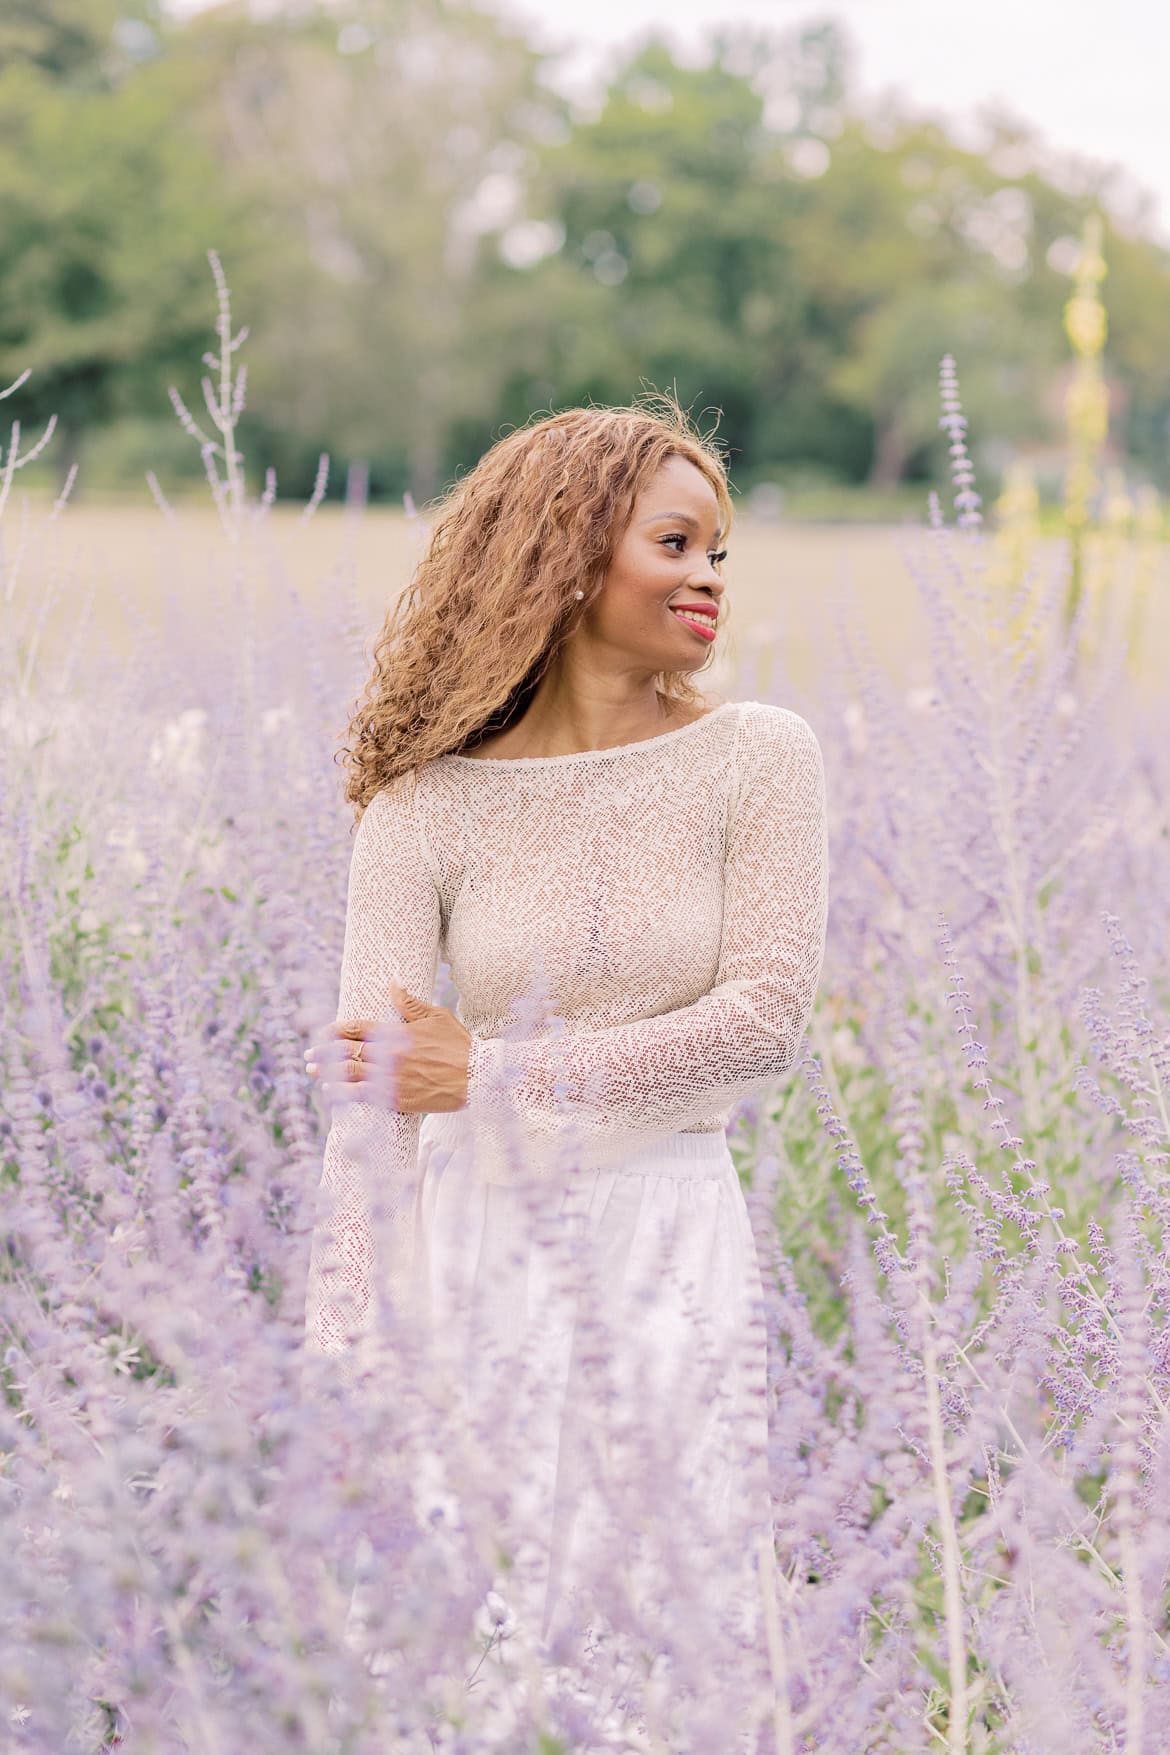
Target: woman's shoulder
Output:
[(764, 724)]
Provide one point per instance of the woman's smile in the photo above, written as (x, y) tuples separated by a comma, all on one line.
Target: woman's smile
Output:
[(700, 620)]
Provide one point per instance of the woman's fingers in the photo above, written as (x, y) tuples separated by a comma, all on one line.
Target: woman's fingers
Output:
[(370, 1076), (336, 1042)]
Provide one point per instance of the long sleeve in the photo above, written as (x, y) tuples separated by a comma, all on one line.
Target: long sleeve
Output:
[(362, 1238), (662, 1072)]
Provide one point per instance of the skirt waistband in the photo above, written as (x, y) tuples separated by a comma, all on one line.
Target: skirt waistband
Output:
[(677, 1154), (682, 1154)]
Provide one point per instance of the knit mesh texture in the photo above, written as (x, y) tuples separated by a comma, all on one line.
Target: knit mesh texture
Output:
[(635, 934)]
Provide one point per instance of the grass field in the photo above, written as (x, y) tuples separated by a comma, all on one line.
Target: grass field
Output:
[(791, 587)]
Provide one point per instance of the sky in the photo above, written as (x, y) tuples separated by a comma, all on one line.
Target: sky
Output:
[(1089, 75)]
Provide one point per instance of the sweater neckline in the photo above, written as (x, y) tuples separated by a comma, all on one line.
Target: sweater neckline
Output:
[(614, 749)]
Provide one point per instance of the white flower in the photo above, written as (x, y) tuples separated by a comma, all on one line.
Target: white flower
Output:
[(179, 745), (494, 1617), (854, 717)]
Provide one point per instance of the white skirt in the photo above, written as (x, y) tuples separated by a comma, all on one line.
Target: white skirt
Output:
[(601, 1332)]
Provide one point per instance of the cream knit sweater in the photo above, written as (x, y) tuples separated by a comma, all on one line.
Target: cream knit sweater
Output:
[(635, 934)]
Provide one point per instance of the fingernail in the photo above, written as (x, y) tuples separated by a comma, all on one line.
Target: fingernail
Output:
[(311, 1066)]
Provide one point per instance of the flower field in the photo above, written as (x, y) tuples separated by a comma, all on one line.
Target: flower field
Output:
[(961, 1196)]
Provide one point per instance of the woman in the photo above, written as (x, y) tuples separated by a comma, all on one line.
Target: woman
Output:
[(629, 885)]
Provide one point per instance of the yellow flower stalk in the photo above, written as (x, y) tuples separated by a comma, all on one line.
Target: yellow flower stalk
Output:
[(1116, 558), (1086, 402)]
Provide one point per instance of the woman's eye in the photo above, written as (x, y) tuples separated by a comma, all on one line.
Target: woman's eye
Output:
[(679, 537)]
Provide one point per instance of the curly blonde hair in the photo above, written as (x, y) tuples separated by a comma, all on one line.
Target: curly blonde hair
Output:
[(493, 598)]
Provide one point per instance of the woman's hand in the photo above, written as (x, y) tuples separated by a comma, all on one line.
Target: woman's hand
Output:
[(415, 1063)]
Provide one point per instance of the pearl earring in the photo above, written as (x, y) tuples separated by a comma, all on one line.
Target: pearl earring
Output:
[(580, 594)]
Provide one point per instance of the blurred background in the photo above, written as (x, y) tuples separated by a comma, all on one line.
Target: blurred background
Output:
[(437, 218)]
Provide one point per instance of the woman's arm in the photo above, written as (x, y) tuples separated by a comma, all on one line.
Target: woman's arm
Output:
[(392, 927), (661, 1073)]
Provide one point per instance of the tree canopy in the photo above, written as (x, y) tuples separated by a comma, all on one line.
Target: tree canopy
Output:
[(428, 241)]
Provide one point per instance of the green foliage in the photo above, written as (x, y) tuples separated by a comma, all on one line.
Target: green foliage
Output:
[(431, 243), (106, 210), (675, 265), (79, 43)]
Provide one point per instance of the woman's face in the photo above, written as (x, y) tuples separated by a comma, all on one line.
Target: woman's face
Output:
[(662, 563)]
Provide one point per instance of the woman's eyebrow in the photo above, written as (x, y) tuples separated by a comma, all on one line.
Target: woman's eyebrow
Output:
[(677, 518)]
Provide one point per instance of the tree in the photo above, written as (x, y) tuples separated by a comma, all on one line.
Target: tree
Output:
[(746, 231), (368, 139), (674, 265), (426, 244), (86, 44), (106, 214), (892, 370)]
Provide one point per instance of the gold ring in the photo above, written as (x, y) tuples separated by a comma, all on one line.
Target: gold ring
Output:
[(357, 1053)]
